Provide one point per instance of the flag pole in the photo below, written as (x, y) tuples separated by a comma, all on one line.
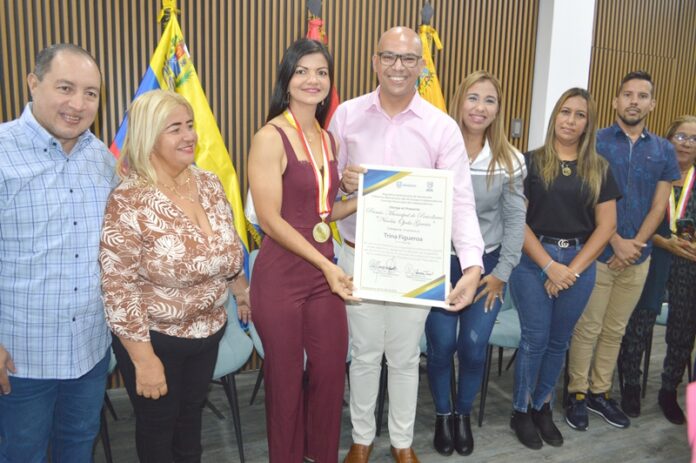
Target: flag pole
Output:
[(168, 6)]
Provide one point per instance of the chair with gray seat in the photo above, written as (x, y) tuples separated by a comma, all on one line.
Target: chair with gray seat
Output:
[(233, 353), (506, 334), (258, 345)]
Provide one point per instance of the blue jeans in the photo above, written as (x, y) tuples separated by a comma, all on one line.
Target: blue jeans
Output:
[(547, 325), (475, 326), (62, 412)]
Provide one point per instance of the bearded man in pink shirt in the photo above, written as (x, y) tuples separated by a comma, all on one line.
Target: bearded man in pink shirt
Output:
[(394, 126)]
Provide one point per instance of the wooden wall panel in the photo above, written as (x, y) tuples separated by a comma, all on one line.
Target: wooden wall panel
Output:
[(236, 47), (655, 36)]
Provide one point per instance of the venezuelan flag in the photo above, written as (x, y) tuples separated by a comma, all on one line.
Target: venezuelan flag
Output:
[(171, 68), (428, 83)]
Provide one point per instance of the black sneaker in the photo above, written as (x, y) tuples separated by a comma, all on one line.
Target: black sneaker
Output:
[(607, 408), (576, 412), (543, 420), (630, 400), (670, 407), (525, 430)]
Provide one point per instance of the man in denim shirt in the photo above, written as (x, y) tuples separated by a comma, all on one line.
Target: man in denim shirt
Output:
[(55, 178), (644, 165)]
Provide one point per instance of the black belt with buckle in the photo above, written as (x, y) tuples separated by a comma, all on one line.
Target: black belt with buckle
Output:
[(562, 242)]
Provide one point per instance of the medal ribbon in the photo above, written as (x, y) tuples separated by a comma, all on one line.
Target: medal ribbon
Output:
[(323, 179), (677, 208)]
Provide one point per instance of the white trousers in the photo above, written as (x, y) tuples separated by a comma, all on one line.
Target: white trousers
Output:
[(394, 330)]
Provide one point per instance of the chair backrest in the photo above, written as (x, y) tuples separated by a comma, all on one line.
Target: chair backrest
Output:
[(235, 346), (664, 313), (252, 329), (256, 340), (112, 361)]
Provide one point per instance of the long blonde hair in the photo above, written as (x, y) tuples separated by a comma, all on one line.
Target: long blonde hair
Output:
[(147, 117), (592, 168), (502, 152)]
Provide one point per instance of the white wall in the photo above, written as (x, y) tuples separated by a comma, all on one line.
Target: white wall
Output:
[(563, 51)]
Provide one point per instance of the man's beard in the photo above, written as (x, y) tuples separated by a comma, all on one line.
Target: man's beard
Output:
[(632, 122)]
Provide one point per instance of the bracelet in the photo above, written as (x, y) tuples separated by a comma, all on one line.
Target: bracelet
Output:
[(546, 267)]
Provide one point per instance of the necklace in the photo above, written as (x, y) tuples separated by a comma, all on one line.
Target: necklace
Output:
[(174, 189), (310, 138), (565, 169)]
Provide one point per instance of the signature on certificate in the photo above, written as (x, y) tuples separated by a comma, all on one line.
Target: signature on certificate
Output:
[(415, 272), (387, 267)]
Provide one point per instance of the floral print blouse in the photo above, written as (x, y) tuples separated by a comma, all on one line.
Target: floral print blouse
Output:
[(160, 272)]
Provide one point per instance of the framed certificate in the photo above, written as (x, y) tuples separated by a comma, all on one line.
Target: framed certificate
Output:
[(403, 235)]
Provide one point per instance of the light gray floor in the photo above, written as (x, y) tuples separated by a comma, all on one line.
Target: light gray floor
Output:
[(650, 438)]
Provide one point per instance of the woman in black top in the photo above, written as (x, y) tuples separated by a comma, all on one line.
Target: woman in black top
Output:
[(571, 215)]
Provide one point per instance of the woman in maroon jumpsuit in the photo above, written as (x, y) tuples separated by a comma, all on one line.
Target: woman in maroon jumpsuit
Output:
[(297, 291)]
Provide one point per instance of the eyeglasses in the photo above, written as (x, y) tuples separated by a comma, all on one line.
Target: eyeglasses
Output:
[(388, 58), (683, 138)]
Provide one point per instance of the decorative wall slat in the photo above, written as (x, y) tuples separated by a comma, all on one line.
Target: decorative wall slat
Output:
[(655, 36), (236, 47)]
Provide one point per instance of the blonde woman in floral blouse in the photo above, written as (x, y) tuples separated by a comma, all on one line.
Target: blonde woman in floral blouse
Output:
[(169, 253)]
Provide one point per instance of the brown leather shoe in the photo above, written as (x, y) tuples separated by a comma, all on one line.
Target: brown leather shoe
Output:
[(404, 455), (358, 453)]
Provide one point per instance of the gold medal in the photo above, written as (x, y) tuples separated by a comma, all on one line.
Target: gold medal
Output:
[(321, 232)]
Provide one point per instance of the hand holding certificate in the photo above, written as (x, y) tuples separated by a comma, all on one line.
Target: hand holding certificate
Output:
[(403, 235)]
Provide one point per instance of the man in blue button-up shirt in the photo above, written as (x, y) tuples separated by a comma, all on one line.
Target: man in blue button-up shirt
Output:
[(55, 178), (644, 165)]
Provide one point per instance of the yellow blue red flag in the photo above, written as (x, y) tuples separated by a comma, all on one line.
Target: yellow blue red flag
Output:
[(428, 83), (171, 68)]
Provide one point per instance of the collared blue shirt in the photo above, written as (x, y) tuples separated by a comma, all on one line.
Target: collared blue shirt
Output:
[(637, 167), (51, 212)]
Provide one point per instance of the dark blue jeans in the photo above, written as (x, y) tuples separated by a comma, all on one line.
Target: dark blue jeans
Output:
[(547, 325), (61, 412), (466, 332)]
